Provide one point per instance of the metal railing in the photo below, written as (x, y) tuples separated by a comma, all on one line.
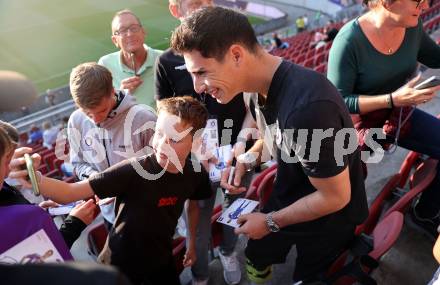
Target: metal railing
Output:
[(52, 114)]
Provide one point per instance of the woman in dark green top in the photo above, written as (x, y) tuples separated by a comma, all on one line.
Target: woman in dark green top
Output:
[(372, 62)]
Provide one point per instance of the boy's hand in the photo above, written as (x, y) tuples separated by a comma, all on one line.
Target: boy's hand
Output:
[(85, 211), (233, 188), (18, 166), (48, 204), (190, 256)]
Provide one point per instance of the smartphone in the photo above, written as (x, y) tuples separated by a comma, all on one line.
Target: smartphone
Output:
[(428, 83), (32, 175)]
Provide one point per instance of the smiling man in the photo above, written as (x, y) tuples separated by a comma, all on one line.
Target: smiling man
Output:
[(132, 66), (173, 79), (316, 203)]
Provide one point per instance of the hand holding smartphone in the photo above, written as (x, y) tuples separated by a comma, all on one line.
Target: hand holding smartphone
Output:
[(428, 83), (32, 174)]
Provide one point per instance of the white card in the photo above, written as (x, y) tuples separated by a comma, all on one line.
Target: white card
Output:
[(37, 248), (210, 138), (240, 207), (62, 209), (223, 155)]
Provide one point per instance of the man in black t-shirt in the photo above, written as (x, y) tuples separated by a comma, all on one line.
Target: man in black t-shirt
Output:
[(319, 194), (151, 192), (172, 79)]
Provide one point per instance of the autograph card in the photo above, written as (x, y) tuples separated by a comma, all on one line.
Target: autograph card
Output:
[(223, 155), (37, 248), (239, 207)]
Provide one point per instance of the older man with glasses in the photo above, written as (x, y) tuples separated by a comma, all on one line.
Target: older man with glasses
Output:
[(133, 66)]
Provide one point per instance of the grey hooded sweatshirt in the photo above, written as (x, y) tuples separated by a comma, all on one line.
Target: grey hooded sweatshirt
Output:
[(126, 133)]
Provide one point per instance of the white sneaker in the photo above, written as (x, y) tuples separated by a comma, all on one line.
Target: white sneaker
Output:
[(231, 268), (199, 282)]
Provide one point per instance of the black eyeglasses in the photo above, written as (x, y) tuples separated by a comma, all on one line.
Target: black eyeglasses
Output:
[(133, 29)]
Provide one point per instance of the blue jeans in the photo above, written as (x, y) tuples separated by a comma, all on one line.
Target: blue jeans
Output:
[(424, 137)]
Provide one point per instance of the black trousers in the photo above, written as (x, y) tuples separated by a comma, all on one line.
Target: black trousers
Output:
[(316, 251)]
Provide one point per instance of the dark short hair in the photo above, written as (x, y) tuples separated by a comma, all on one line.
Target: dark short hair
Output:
[(212, 30), (187, 109)]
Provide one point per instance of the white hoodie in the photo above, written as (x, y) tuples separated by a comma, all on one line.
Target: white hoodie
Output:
[(93, 148)]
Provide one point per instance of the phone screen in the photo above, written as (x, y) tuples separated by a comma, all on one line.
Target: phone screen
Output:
[(32, 174)]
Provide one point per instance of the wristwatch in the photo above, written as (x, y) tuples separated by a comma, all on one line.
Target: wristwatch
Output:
[(271, 224), (249, 159)]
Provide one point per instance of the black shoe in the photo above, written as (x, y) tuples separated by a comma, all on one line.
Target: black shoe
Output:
[(427, 226)]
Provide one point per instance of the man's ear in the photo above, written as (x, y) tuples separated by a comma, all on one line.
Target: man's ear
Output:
[(115, 42), (236, 52), (174, 10)]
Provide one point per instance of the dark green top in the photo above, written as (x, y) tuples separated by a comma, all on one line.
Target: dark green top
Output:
[(356, 68)]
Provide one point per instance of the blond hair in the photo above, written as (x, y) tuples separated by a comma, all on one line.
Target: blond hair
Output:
[(89, 84)]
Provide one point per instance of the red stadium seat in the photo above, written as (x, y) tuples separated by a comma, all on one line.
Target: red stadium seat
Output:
[(252, 191), (420, 180), (320, 50), (265, 188), (49, 160), (310, 53), (322, 68), (384, 236), (39, 149), (56, 164), (397, 181), (309, 63), (43, 169), (300, 58), (320, 58)]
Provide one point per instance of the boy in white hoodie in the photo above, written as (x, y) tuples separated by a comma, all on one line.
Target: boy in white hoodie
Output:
[(106, 128)]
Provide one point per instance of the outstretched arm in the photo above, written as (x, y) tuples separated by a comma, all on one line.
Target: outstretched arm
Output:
[(62, 192)]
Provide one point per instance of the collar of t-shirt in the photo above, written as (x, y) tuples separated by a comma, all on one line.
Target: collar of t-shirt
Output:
[(149, 62), (156, 168), (276, 84)]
